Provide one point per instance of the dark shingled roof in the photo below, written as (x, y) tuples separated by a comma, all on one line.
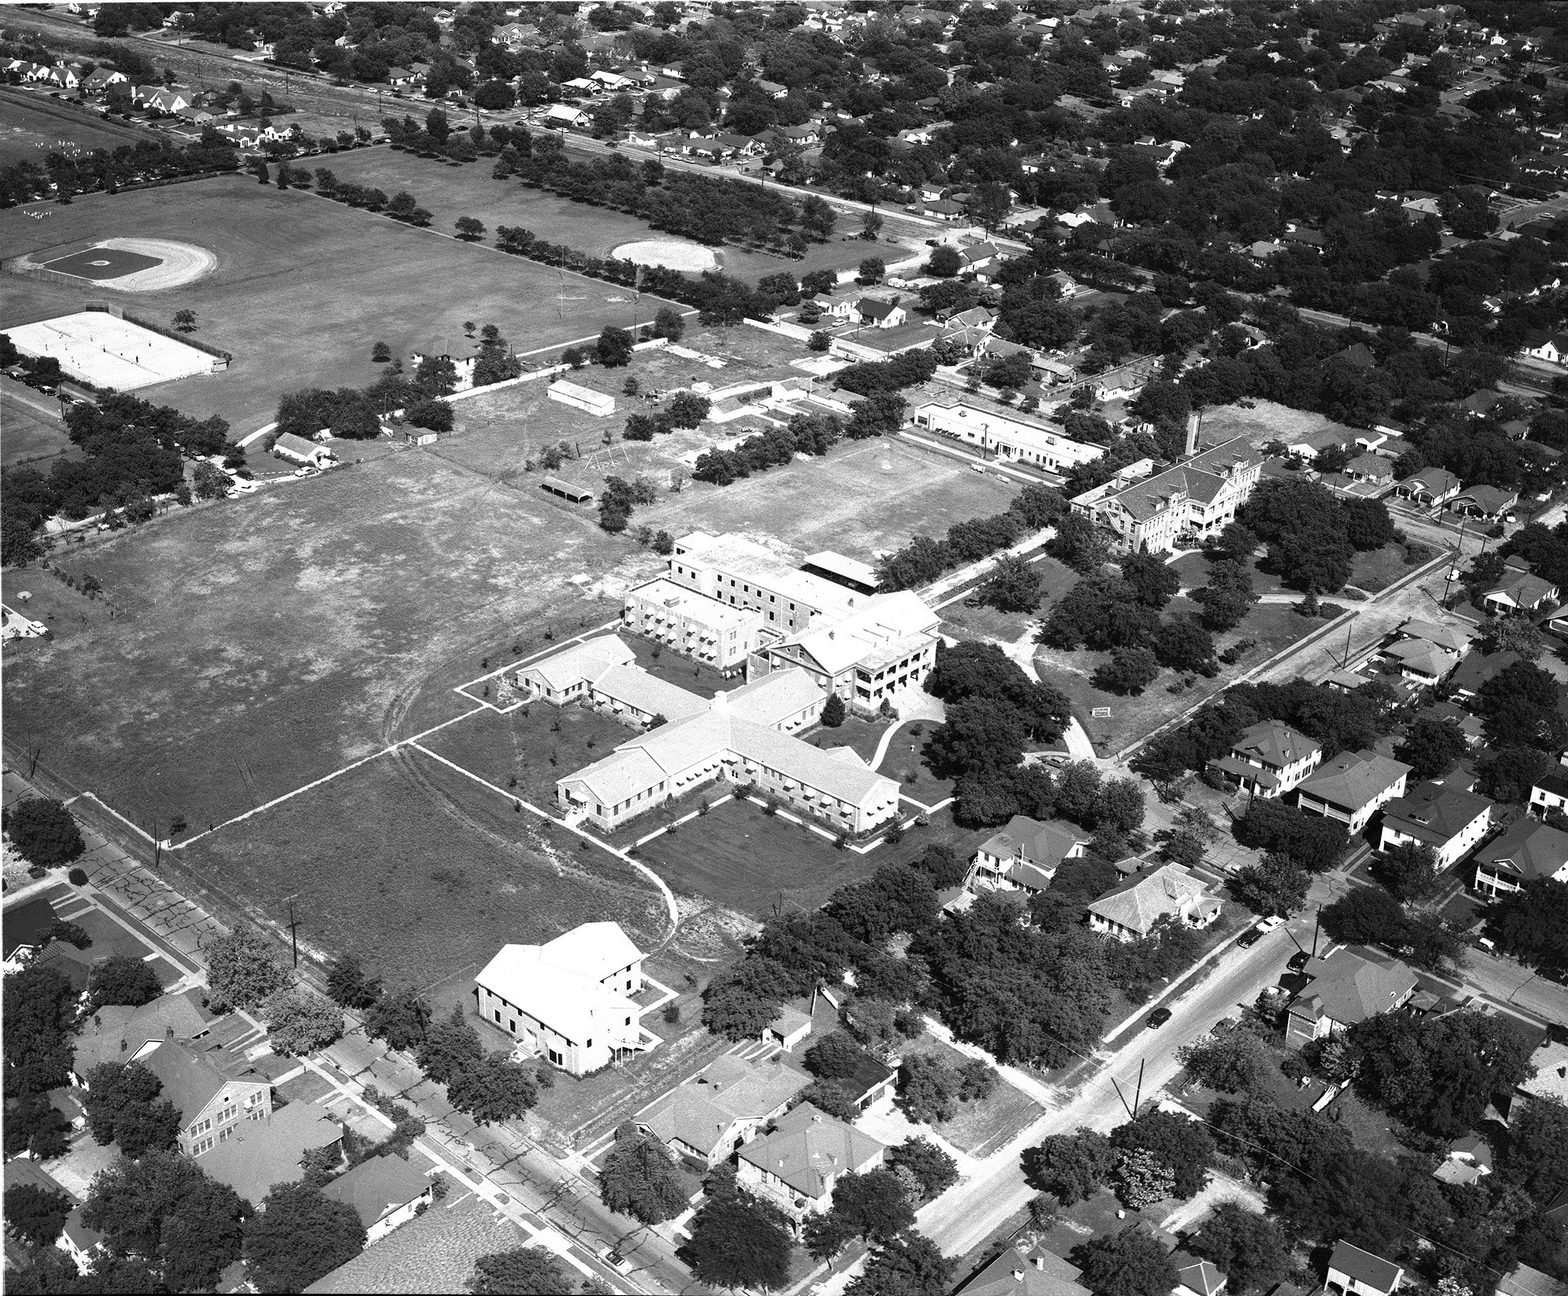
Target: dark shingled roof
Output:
[(434, 1252)]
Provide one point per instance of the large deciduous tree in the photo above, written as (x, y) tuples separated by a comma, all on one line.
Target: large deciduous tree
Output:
[(1248, 1248), (1070, 1167), (300, 1235), (241, 969), (736, 1240), (35, 1214), (44, 832), (299, 1022), (124, 1106), (522, 1271), (1129, 1263), (908, 1265), (639, 1178), (493, 1088), (162, 1209), (1532, 923)]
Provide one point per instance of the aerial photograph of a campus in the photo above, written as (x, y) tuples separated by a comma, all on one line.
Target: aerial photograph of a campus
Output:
[(822, 647)]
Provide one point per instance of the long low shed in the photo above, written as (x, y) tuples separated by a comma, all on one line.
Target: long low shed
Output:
[(566, 490)]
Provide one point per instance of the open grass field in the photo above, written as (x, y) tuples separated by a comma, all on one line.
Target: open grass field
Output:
[(303, 289), (1266, 421), (26, 434), (422, 872), (33, 125), (470, 190)]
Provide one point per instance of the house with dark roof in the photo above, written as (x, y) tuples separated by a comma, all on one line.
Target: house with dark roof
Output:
[(1352, 787), (384, 1191), (1549, 794), (721, 1107), (1025, 1270), (1343, 989), (1430, 487), (1269, 759), (1196, 1276), (1450, 820), (880, 314), (797, 1164), (1476, 669), (1354, 1272), (1529, 849), (1486, 502), (434, 1253), (1419, 661), (1130, 911), (120, 1034), (1523, 1280), (24, 928), (271, 1151), (1519, 591), (212, 1106), (1024, 855), (1550, 347)]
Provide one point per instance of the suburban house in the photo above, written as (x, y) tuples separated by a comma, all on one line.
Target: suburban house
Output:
[(1130, 911), (1430, 487), (569, 1000), (1549, 793), (880, 314), (1419, 660), (1469, 1159), (1519, 591), (721, 1107), (26, 927), (566, 115), (1352, 787), (1354, 1272), (1529, 849), (1552, 347), (797, 1164), (1450, 820), (1486, 502), (120, 1034), (212, 1106), (270, 1151), (1006, 434), (1476, 669), (1193, 500), (300, 451), (1344, 989), (384, 1191), (1025, 1270), (1270, 758), (1024, 855), (1196, 1276)]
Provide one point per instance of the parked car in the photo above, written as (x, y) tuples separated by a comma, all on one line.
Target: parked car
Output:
[(1250, 937), (1299, 960), (1159, 1017)]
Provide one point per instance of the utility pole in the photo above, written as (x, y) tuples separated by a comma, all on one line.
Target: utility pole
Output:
[(293, 930)]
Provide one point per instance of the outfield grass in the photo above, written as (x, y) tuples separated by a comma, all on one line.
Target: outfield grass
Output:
[(420, 872), (471, 190), (303, 289), (29, 120)]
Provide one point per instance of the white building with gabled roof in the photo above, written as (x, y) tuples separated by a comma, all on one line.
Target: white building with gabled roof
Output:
[(568, 1000)]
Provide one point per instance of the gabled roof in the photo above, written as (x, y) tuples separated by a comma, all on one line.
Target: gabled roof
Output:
[(1526, 589), (1434, 814), (179, 1017), (1450, 637), (1347, 988), (295, 444), (1026, 1271), (378, 1186), (1489, 499), (1421, 656), (1376, 1272), (1274, 743), (636, 688), (1352, 779), (583, 661), (25, 925), (559, 983), (190, 1081), (1529, 849), (874, 308), (1433, 481), (702, 1112), (775, 697), (1478, 668), (808, 1146), (433, 1253), (262, 1153), (1034, 841), (1139, 904)]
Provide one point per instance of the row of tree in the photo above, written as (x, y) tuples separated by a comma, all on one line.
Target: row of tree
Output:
[(923, 559)]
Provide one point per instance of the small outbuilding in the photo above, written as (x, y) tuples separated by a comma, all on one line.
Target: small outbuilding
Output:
[(599, 404), (566, 490)]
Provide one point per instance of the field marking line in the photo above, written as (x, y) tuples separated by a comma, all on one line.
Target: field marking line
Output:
[(325, 778), (664, 890), (140, 832)]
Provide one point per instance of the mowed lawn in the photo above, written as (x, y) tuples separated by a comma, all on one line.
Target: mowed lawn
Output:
[(303, 289), (33, 125), (420, 872), (471, 190), (29, 436), (264, 642)]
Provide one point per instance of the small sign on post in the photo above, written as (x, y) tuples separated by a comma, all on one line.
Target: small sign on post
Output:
[(1100, 713)]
